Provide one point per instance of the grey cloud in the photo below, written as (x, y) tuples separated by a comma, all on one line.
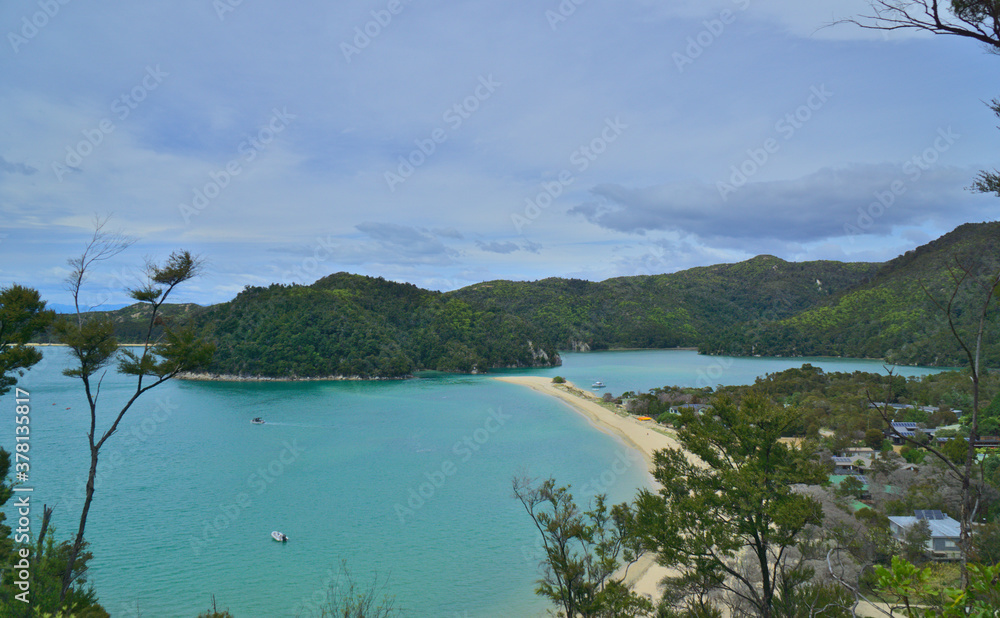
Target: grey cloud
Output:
[(16, 168), (828, 203), (498, 247), (405, 243), (447, 233), (506, 247)]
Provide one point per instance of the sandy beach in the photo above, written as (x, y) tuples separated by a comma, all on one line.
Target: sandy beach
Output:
[(645, 436)]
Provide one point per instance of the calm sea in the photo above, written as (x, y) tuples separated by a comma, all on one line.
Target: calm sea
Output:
[(408, 482)]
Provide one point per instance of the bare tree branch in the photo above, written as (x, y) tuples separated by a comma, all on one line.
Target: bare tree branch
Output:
[(974, 19)]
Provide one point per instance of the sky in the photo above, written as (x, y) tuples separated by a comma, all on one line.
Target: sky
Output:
[(446, 143)]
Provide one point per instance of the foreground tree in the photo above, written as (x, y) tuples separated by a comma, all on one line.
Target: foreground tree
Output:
[(736, 502), (583, 552), (22, 316), (93, 346)]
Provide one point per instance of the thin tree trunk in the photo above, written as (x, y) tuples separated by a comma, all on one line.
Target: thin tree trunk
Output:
[(78, 543)]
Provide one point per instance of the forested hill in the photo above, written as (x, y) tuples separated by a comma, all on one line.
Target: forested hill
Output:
[(892, 316), (678, 309), (351, 325)]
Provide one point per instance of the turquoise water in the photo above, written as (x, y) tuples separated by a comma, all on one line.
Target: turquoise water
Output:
[(409, 480), (641, 370)]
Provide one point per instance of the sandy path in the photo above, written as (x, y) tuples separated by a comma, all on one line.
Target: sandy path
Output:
[(645, 436)]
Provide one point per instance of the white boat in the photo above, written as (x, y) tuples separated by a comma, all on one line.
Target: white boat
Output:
[(279, 536), (597, 384), (257, 421)]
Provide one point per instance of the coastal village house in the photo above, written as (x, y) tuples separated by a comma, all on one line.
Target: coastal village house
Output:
[(945, 532), (699, 408)]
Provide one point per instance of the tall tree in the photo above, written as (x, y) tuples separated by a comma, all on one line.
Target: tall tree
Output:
[(93, 346), (735, 503)]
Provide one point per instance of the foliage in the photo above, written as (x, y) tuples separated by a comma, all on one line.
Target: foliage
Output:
[(582, 551), (48, 561), (911, 586), (668, 310), (891, 316), (558, 380), (347, 598), (736, 499), (349, 325), (93, 345), (22, 317), (851, 486)]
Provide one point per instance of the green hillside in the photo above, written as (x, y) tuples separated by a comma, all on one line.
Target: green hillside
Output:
[(891, 316), (678, 309), (350, 325)]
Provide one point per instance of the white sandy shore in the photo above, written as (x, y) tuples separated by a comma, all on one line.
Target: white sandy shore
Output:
[(645, 436)]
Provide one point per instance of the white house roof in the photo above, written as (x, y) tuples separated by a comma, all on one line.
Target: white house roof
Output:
[(941, 528)]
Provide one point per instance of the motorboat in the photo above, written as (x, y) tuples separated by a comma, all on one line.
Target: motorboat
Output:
[(279, 536), (597, 384), (257, 420)]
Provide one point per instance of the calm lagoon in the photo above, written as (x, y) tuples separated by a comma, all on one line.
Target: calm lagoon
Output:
[(406, 479)]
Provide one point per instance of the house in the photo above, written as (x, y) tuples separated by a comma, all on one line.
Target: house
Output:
[(901, 428), (945, 532), (697, 408), (851, 464), (988, 442)]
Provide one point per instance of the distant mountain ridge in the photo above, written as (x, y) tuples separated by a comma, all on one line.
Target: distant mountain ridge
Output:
[(671, 310), (353, 325), (891, 316)]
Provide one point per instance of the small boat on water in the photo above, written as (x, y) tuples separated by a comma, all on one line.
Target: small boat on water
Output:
[(257, 420), (279, 536), (597, 384)]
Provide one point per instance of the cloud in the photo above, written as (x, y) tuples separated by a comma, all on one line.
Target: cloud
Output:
[(16, 168), (832, 202), (498, 247), (506, 247), (449, 232), (403, 243)]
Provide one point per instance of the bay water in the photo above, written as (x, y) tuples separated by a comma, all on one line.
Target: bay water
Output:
[(407, 483)]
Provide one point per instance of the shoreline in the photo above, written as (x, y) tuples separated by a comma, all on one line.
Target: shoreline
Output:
[(215, 377), (645, 575)]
